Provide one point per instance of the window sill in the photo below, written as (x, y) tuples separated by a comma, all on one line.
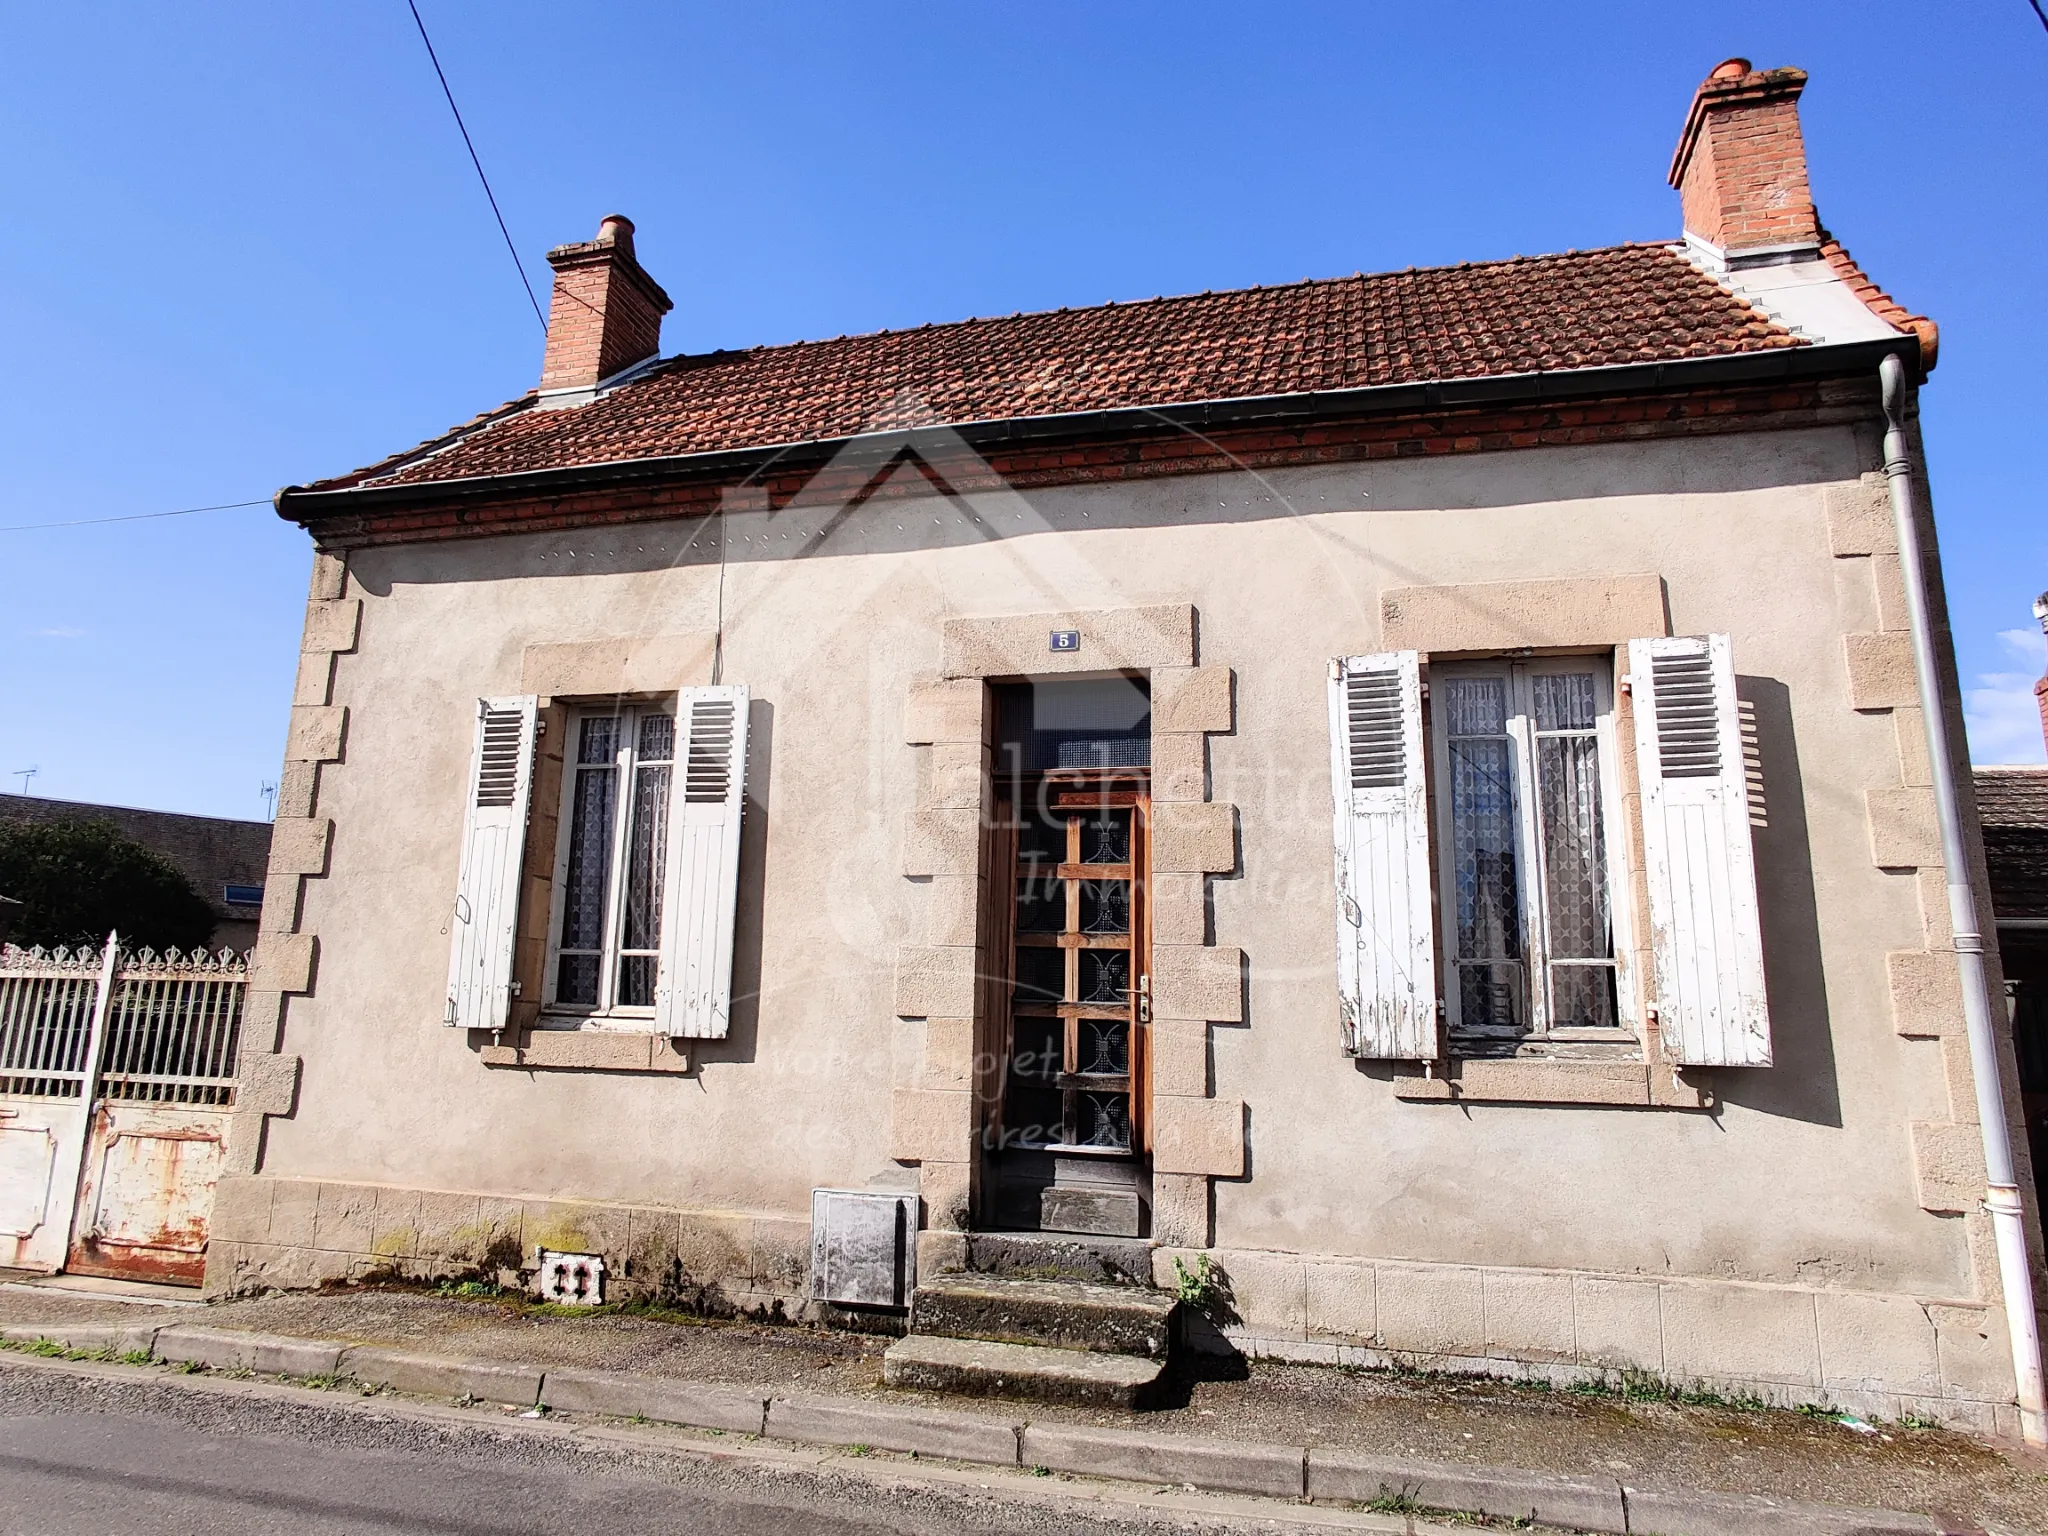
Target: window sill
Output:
[(1629, 1083), (585, 1050)]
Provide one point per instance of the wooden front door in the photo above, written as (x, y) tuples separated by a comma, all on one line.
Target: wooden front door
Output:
[(1075, 924)]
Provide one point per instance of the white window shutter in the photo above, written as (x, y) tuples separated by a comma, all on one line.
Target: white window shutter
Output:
[(701, 879), (486, 917), (1706, 941), (1386, 953)]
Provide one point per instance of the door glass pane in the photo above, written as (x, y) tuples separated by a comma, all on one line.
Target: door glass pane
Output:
[(1105, 907), (1106, 838), (1041, 906), (1105, 1047), (1105, 977), (1041, 976)]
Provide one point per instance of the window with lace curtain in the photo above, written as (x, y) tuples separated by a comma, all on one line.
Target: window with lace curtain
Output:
[(606, 941), (1527, 829)]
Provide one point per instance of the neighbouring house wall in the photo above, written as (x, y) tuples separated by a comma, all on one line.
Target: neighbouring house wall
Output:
[(213, 852), (1809, 1229)]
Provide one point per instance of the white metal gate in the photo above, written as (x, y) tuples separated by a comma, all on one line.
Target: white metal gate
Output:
[(117, 1075)]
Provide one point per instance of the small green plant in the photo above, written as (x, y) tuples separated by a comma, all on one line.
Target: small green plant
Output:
[(1041, 1471), (469, 1289), (188, 1367), (860, 1450), (1393, 1504), (1196, 1286), (134, 1357), (1915, 1421)]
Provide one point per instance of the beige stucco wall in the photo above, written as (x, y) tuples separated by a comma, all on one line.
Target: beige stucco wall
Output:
[(1803, 1177)]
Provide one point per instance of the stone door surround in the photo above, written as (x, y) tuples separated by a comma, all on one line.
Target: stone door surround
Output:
[(933, 1121)]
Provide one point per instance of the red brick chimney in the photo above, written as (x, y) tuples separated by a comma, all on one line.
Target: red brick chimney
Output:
[(606, 311), (1741, 163)]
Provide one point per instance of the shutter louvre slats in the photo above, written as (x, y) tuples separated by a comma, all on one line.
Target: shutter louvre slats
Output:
[(485, 922), (693, 995), (1386, 955), (1705, 931)]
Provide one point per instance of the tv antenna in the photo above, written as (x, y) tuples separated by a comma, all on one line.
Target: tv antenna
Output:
[(25, 774), (269, 794)]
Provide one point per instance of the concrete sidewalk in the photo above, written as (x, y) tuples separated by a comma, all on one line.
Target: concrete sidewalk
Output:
[(1589, 1463)]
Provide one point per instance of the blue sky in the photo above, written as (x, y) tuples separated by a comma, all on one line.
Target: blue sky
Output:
[(245, 248)]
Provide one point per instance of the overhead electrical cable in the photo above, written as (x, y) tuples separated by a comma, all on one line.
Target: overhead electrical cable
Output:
[(136, 517), (511, 249)]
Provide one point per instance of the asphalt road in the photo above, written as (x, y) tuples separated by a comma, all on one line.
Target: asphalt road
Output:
[(106, 1457)]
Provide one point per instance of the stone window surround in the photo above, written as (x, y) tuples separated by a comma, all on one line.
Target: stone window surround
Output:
[(934, 1122)]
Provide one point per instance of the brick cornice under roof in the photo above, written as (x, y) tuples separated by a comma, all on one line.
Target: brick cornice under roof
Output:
[(1621, 305)]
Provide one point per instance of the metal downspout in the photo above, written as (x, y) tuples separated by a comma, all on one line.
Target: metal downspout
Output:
[(2002, 1199)]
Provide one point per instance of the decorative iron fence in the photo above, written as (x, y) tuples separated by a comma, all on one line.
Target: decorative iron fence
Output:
[(134, 1025)]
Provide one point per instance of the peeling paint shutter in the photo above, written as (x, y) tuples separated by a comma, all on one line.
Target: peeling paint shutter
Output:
[(1705, 936), (693, 995), (486, 913), (1386, 957)]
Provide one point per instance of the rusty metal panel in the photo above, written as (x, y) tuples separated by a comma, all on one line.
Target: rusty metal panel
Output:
[(863, 1247), (147, 1196)]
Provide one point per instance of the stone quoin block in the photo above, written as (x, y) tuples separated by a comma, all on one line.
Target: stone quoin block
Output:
[(299, 847), (942, 842), (1927, 993), (332, 624), (316, 733), (1881, 674), (931, 1123), (268, 1084), (1194, 839), (1903, 831), (283, 962), (1191, 699), (954, 710), (1198, 1136), (934, 982), (1180, 768), (1860, 518), (1194, 981), (1948, 1165)]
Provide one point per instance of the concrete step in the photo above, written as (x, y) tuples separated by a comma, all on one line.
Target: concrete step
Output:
[(1061, 1256), (1061, 1314), (979, 1368)]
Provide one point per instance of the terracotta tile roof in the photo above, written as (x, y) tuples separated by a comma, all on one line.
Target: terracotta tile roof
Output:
[(1880, 303), (2012, 803), (1585, 309)]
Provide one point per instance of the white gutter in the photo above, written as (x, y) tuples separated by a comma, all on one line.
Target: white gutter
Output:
[(2002, 1199)]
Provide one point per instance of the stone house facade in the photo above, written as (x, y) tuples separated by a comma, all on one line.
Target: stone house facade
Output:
[(1411, 785)]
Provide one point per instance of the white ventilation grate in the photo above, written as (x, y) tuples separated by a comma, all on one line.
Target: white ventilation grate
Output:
[(707, 777), (1688, 724), (497, 773), (1379, 750)]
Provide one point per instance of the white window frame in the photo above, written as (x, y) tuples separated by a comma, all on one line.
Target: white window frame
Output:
[(556, 1014), (1521, 735)]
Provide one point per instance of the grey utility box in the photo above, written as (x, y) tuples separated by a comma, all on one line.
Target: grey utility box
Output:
[(863, 1247)]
